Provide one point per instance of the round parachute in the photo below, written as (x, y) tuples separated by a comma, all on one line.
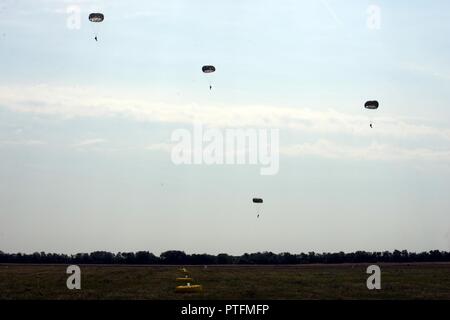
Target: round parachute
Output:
[(208, 69), (371, 105), (96, 17)]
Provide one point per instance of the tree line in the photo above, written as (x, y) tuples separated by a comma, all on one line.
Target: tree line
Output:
[(181, 258)]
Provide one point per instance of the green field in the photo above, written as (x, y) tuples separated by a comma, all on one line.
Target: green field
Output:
[(398, 281)]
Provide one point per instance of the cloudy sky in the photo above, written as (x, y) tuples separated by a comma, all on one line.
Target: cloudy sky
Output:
[(85, 126)]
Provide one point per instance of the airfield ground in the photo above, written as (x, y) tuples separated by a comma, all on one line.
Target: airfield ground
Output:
[(347, 281)]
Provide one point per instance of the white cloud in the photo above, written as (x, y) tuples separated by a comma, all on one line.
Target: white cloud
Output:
[(330, 150), (88, 142), (375, 151), (141, 14), (166, 147), (427, 70), (22, 142), (68, 102)]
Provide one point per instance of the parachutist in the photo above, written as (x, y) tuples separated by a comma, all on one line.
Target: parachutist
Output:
[(258, 202), (371, 105), (96, 18), (207, 70)]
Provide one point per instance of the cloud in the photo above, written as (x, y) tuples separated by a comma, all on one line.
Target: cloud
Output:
[(375, 151), (141, 14), (327, 149), (68, 102), (88, 142), (326, 126), (427, 70), (166, 147), (22, 142)]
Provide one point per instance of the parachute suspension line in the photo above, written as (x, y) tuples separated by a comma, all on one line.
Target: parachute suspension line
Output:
[(371, 120)]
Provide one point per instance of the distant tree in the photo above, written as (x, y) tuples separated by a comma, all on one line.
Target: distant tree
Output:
[(266, 257), (285, 258), (244, 259), (202, 259), (312, 257), (128, 257), (36, 257), (435, 255), (145, 257), (174, 257), (302, 258), (396, 256), (102, 257), (262, 258), (223, 258)]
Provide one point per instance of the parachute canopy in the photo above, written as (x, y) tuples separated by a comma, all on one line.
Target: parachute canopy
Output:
[(208, 69), (257, 200), (96, 17), (371, 105)]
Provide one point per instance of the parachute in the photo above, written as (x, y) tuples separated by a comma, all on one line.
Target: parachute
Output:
[(371, 105), (258, 203), (209, 69), (96, 18)]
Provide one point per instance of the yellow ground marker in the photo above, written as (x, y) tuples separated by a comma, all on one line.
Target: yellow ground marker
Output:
[(188, 289)]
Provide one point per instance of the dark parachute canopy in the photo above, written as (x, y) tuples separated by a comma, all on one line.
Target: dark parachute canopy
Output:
[(208, 69), (257, 200), (96, 17), (371, 105)]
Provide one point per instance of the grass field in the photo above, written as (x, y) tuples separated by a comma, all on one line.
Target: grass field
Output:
[(398, 281)]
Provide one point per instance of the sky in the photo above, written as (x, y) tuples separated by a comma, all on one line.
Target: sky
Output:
[(86, 126)]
